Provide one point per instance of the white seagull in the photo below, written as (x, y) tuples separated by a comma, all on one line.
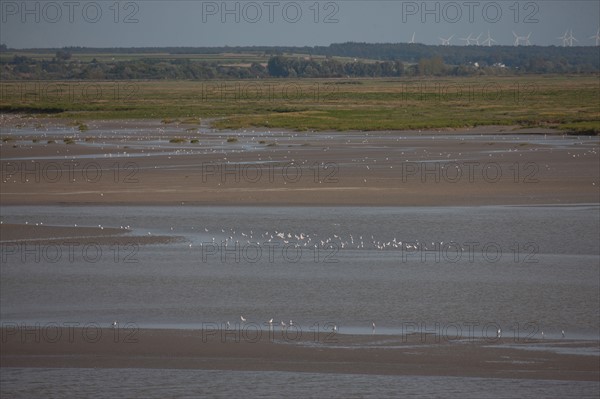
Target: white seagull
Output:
[(115, 324), (243, 319)]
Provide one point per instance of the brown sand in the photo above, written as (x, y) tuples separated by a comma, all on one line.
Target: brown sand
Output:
[(329, 353), (367, 168)]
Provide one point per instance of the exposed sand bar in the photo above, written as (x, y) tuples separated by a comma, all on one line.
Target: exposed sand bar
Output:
[(11, 234), (327, 353), (497, 167)]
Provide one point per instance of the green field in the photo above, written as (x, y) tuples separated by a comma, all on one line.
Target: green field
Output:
[(219, 58), (108, 57), (565, 102)]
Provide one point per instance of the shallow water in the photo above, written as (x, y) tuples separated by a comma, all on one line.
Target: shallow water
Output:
[(151, 383), (524, 269)]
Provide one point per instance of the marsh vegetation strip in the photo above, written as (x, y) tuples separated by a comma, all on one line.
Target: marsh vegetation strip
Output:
[(567, 102)]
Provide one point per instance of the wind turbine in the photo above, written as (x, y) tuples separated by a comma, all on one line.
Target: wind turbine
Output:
[(571, 38), (446, 42), (467, 39), (596, 37), (412, 40), (564, 38), (520, 39), (477, 39), (488, 42)]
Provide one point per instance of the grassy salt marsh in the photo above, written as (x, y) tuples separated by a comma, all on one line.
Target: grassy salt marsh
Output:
[(569, 103)]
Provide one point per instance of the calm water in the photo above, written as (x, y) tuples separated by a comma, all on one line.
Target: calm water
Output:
[(506, 266), (524, 269), (148, 383)]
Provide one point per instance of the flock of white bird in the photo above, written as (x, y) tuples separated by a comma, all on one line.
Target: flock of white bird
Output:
[(282, 324), (313, 240)]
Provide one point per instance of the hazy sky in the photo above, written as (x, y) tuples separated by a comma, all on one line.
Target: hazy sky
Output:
[(108, 23)]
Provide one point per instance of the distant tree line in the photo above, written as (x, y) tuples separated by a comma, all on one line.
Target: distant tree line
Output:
[(535, 59), (576, 59), (23, 68), (294, 67), (578, 56), (387, 60)]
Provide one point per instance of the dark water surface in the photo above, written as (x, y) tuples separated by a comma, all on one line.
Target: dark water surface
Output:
[(526, 269)]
